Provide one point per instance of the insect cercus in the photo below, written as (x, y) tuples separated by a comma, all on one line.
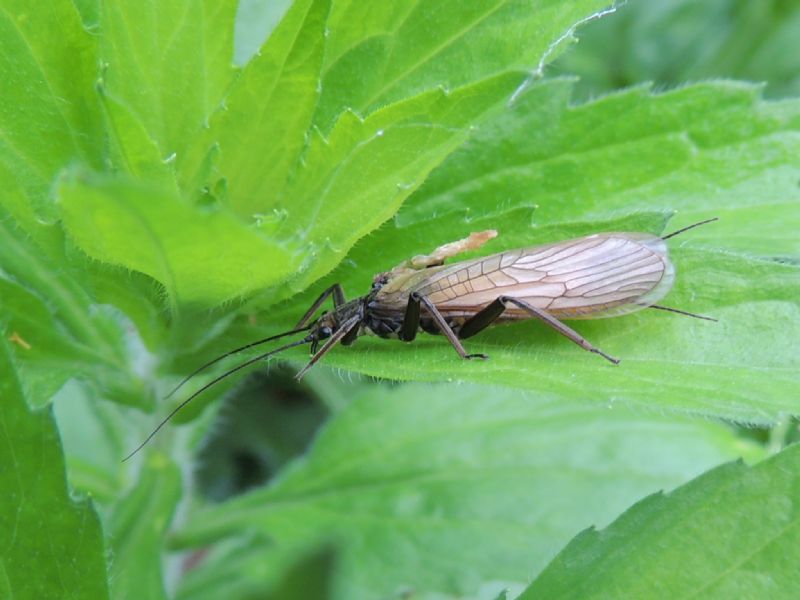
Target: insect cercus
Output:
[(596, 276)]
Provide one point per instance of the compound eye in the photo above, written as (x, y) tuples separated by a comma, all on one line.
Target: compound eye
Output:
[(325, 332)]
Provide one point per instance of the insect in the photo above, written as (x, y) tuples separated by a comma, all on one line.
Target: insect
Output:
[(597, 276)]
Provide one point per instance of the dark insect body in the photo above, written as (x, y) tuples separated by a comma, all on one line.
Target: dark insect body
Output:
[(597, 276)]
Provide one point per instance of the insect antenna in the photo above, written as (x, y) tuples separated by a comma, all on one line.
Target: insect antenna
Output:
[(688, 227), (234, 351), (214, 381)]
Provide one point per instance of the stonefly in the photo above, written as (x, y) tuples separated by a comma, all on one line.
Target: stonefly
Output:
[(597, 276)]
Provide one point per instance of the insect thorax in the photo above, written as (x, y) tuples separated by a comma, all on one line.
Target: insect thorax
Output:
[(385, 319), (377, 319)]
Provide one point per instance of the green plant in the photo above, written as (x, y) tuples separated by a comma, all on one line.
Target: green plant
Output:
[(159, 205)]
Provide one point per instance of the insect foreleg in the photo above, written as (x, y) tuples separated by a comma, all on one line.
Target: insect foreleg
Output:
[(417, 299), (550, 320), (342, 332), (338, 300), (350, 337)]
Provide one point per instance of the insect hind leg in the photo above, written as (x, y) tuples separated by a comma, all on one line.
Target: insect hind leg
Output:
[(486, 316), (481, 320)]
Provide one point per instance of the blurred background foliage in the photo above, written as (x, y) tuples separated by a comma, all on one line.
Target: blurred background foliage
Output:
[(675, 42)]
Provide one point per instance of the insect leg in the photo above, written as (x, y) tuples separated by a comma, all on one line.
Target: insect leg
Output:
[(338, 300), (481, 320), (410, 320), (346, 327), (418, 299), (495, 309), (350, 337)]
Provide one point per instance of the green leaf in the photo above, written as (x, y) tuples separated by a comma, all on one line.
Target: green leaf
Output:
[(138, 296), (95, 436), (707, 147), (357, 179), (732, 533), (310, 578), (49, 110), (51, 117), (131, 148), (198, 255), (543, 171), (58, 330), (381, 53), (204, 255), (47, 356), (137, 524), (239, 570), (439, 489), (89, 11), (52, 544), (258, 134), (166, 64)]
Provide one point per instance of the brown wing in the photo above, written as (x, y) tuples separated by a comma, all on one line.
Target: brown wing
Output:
[(600, 275)]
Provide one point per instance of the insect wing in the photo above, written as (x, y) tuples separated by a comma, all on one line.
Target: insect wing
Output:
[(600, 275)]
